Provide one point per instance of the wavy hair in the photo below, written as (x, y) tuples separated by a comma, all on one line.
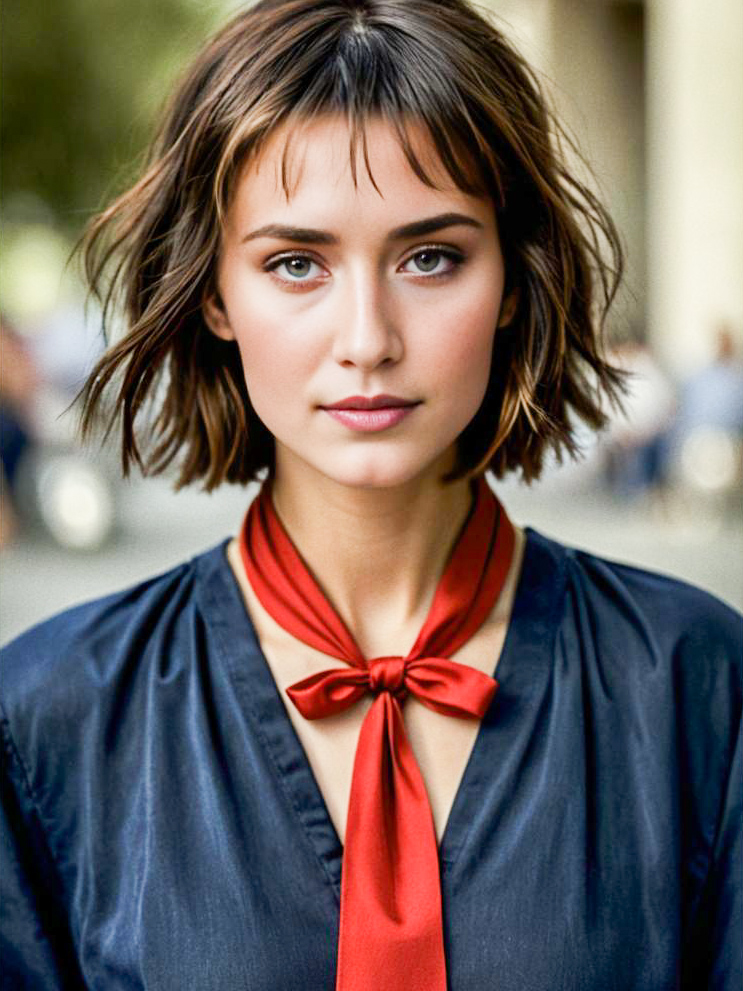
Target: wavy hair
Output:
[(179, 392)]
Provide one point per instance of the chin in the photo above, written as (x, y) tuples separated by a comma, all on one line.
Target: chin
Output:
[(376, 465), (375, 471)]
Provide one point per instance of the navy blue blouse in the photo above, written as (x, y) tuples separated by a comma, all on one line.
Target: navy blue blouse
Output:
[(163, 828)]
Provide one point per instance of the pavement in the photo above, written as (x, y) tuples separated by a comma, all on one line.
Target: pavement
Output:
[(158, 529)]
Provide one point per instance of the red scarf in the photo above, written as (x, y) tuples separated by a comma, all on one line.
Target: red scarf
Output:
[(391, 933)]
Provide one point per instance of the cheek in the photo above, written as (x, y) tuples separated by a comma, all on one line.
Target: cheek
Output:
[(269, 369), (268, 350), (465, 346), (278, 367)]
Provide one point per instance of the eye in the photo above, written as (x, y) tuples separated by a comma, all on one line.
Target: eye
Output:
[(433, 262), (294, 268)]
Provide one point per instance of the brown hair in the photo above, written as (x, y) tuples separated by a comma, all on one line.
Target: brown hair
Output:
[(439, 63)]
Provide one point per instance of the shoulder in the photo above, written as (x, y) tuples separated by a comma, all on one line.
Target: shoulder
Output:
[(653, 668), (670, 617), (641, 642), (59, 668), (657, 658), (608, 601)]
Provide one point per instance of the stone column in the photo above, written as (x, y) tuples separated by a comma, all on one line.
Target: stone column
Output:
[(695, 175), (591, 55)]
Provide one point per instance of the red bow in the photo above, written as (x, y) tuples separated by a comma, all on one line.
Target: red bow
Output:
[(443, 685)]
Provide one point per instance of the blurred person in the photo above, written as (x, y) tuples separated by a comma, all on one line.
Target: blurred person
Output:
[(638, 435), (713, 396), (707, 438), (359, 270), (18, 382), (49, 481)]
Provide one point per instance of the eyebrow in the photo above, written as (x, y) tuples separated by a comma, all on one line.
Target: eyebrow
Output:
[(418, 228)]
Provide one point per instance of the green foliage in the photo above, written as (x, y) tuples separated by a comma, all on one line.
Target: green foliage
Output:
[(83, 81)]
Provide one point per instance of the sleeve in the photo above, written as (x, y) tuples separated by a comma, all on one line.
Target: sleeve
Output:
[(720, 916), (36, 947), (692, 682)]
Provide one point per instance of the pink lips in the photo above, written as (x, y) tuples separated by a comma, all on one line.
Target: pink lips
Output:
[(369, 414)]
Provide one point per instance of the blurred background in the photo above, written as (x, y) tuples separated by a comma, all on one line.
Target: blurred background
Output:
[(653, 92)]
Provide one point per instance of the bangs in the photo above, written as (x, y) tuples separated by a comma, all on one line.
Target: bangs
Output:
[(432, 160), (370, 73)]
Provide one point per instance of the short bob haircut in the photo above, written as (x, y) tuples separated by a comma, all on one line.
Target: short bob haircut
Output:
[(437, 63)]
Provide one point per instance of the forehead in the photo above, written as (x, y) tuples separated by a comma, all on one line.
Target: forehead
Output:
[(316, 165)]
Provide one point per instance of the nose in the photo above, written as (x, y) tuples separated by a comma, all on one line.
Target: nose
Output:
[(366, 332)]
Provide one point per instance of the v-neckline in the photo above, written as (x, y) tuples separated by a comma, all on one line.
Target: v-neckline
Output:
[(254, 680)]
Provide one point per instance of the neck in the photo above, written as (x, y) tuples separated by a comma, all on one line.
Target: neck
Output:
[(377, 553)]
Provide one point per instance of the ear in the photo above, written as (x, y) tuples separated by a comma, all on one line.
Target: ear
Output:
[(508, 308), (215, 316)]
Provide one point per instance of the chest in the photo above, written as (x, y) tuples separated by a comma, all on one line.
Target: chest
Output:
[(442, 745)]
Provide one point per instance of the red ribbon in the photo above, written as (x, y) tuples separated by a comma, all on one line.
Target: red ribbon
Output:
[(391, 934)]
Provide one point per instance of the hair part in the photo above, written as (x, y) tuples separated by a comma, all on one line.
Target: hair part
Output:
[(438, 64)]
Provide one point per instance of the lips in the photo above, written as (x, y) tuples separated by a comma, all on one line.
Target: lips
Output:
[(369, 414), (373, 402)]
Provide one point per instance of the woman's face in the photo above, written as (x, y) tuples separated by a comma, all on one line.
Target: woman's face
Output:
[(345, 296)]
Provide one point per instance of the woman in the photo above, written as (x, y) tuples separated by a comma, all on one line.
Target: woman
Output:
[(358, 265)]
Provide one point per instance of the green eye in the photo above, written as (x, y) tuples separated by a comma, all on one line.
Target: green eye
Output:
[(427, 261), (434, 262), (297, 267), (295, 271)]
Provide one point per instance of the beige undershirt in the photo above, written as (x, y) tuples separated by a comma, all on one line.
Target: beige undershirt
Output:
[(441, 744)]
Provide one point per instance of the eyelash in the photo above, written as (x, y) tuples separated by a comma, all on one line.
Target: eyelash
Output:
[(453, 255)]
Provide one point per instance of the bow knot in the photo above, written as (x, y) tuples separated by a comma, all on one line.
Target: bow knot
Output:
[(387, 674)]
